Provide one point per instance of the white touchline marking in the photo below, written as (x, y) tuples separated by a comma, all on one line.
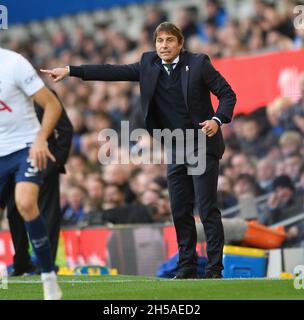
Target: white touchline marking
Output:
[(144, 280)]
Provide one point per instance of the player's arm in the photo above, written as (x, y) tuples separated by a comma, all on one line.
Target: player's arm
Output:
[(52, 110)]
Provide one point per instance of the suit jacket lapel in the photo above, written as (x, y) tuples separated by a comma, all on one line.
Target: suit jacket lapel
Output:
[(148, 86), (153, 76), (185, 77)]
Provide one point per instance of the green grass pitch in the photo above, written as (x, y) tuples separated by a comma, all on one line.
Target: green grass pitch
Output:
[(149, 288)]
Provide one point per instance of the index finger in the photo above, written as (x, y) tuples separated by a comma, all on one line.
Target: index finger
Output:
[(46, 71)]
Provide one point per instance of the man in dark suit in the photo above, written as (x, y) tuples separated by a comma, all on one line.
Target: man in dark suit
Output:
[(175, 94), (59, 143)]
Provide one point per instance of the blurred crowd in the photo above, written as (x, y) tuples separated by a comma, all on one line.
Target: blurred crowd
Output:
[(264, 149)]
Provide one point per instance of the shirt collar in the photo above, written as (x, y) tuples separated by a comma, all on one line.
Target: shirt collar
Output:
[(176, 60)]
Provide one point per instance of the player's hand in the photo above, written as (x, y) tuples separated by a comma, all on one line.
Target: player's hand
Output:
[(39, 153), (209, 127), (56, 74)]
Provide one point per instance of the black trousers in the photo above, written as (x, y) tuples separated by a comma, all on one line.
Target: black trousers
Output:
[(49, 206), (200, 191)]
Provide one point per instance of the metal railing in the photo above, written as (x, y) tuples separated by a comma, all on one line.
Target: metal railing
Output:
[(235, 210), (290, 221)]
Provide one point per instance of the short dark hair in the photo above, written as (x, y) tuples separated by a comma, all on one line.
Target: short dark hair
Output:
[(283, 181), (171, 28), (115, 185)]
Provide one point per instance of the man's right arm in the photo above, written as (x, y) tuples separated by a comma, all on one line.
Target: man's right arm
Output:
[(101, 72)]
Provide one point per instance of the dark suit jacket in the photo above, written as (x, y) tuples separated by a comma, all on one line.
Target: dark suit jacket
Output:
[(198, 78), (59, 142)]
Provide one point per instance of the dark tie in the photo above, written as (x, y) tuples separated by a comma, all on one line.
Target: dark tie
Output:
[(170, 67)]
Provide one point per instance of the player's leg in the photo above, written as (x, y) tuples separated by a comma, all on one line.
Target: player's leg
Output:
[(22, 258), (26, 197), (49, 205), (26, 194)]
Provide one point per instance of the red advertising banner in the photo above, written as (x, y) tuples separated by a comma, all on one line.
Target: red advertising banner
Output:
[(92, 246), (258, 80), (72, 244), (86, 247), (169, 242), (6, 248)]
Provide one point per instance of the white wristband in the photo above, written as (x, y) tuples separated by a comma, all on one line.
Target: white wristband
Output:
[(217, 119)]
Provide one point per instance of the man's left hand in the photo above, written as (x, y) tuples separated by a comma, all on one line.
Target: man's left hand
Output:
[(209, 127)]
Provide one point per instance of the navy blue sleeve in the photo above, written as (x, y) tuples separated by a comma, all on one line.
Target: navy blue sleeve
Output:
[(107, 72), (217, 84)]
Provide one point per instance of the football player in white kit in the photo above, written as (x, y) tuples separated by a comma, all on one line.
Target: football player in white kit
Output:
[(24, 151)]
